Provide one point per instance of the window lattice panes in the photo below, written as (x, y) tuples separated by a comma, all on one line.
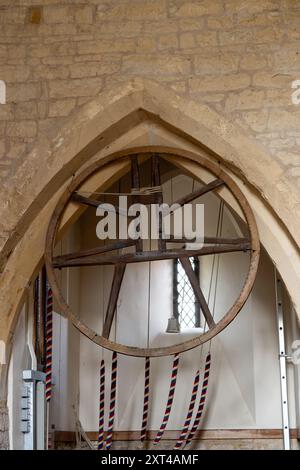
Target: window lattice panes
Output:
[(186, 307)]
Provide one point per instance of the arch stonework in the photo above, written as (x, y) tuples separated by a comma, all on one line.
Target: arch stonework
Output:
[(139, 112)]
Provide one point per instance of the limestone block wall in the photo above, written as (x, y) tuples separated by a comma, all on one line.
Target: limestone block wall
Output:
[(239, 56)]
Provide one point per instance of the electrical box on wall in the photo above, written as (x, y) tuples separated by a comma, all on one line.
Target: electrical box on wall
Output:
[(33, 409)]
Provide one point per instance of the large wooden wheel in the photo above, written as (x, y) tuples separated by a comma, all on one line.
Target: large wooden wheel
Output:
[(110, 254)]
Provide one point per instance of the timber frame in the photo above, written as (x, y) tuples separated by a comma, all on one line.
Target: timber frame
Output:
[(96, 257)]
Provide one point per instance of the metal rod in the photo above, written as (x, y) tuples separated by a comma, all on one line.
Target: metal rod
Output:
[(282, 363)]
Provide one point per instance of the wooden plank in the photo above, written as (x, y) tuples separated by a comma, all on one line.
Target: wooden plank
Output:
[(151, 198), (135, 185), (135, 174), (200, 192), (95, 251), (202, 434), (88, 201), (113, 298), (211, 240), (155, 171), (94, 203), (186, 264), (146, 199), (101, 260)]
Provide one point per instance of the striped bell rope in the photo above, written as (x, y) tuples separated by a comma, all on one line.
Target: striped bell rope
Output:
[(101, 406), (146, 399), (49, 340), (170, 400), (112, 406), (189, 415), (202, 400)]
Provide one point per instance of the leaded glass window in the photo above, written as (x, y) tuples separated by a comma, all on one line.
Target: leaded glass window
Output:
[(185, 305)]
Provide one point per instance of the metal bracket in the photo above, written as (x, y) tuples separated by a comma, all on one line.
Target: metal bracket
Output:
[(288, 357)]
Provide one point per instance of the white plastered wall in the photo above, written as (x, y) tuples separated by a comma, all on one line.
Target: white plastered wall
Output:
[(66, 350)]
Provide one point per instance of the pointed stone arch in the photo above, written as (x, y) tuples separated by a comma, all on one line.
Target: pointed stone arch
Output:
[(144, 113)]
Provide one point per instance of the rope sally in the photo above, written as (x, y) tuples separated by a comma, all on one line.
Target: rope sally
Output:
[(112, 406), (202, 400), (189, 415), (49, 342), (49, 333), (101, 406), (146, 399), (170, 400)]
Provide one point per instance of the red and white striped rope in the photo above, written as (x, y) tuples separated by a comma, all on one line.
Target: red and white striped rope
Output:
[(189, 415), (101, 406), (112, 406), (146, 399), (170, 400), (49, 339), (202, 400)]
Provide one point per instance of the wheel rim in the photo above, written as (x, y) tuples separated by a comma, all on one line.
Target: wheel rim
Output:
[(229, 316)]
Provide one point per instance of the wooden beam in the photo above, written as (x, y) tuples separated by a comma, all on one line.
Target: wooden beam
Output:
[(100, 260), (201, 434), (155, 170), (94, 251), (211, 240), (200, 192), (135, 174), (186, 264), (135, 185), (151, 198), (87, 201), (113, 298), (155, 176)]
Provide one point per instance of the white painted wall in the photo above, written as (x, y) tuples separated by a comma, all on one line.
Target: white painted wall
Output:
[(66, 347)]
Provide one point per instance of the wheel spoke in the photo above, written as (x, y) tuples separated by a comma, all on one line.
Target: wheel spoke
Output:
[(157, 182), (94, 251), (200, 192), (148, 256), (135, 173), (113, 298), (87, 201), (135, 185), (186, 264), (212, 240)]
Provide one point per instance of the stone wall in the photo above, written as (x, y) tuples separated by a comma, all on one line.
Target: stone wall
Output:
[(239, 56), (4, 426)]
